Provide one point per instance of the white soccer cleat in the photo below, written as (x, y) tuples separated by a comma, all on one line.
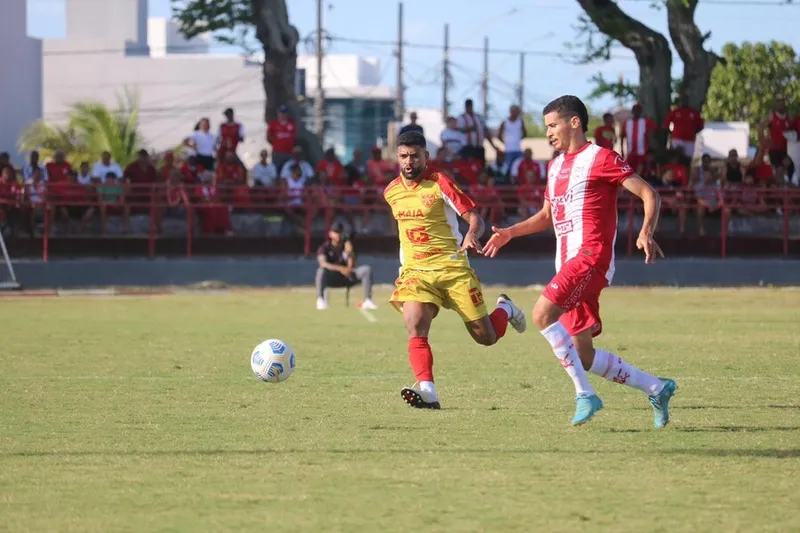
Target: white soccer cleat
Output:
[(517, 318), (321, 304), (418, 398), (369, 305)]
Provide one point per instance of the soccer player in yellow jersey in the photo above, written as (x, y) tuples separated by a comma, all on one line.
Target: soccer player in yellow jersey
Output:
[(435, 271)]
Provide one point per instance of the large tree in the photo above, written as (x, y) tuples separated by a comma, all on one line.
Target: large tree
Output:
[(232, 21), (606, 23), (754, 75)]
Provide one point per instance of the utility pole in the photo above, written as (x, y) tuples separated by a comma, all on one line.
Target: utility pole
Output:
[(399, 103), (319, 99), (485, 78), (446, 73), (521, 83)]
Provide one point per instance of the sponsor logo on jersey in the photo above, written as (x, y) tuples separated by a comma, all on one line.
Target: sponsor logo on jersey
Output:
[(562, 227), (409, 213), (425, 255), (564, 199)]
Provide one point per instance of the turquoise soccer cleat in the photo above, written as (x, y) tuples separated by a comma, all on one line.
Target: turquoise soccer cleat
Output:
[(660, 403), (586, 406)]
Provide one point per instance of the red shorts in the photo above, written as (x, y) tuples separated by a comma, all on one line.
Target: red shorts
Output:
[(576, 289)]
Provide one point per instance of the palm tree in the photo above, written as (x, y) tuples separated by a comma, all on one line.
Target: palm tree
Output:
[(91, 128)]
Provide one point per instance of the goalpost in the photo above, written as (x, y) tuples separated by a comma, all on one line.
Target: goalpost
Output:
[(8, 281)]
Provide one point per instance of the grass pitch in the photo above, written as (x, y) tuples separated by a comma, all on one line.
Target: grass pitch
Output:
[(141, 414)]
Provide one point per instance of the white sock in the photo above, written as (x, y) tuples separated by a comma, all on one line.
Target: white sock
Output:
[(614, 368), (561, 342), (505, 307), (429, 387)]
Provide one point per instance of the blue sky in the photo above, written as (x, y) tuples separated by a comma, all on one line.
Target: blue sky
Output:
[(535, 25)]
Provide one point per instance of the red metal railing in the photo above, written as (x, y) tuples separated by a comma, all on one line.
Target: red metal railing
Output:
[(329, 201)]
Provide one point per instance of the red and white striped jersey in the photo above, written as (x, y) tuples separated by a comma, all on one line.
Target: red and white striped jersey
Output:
[(582, 191)]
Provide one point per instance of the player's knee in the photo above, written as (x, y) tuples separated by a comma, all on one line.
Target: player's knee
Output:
[(544, 314)]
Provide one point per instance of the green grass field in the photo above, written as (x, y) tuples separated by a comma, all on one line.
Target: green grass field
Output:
[(141, 414)]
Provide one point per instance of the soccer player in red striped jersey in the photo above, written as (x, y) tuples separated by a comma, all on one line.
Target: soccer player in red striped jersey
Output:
[(581, 205)]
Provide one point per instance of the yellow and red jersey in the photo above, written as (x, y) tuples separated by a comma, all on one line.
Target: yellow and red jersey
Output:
[(427, 217)]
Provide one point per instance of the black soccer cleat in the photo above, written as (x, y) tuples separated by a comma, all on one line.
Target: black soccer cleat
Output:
[(414, 398)]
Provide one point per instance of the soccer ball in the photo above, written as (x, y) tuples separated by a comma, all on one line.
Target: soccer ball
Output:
[(272, 361)]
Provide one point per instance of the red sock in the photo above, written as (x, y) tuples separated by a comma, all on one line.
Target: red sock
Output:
[(421, 358), (499, 320)]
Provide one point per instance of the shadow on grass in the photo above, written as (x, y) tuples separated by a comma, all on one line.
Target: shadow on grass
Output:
[(699, 452), (736, 407), (735, 429), (713, 452)]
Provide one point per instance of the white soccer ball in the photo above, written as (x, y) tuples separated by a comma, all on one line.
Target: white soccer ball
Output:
[(272, 361)]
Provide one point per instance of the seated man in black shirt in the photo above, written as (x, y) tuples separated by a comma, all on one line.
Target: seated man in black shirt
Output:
[(337, 268)]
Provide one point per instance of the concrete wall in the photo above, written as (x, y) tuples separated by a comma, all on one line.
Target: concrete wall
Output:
[(21, 81), (175, 91), (287, 271)]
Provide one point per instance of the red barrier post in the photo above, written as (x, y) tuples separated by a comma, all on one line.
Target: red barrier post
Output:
[(46, 233), (785, 223), (151, 241), (189, 223), (724, 222)]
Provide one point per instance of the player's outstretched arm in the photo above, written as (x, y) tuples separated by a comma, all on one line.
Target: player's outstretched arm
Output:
[(501, 236), (652, 207), (476, 229)]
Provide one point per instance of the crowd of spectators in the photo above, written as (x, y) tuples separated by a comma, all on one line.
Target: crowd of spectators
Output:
[(214, 180)]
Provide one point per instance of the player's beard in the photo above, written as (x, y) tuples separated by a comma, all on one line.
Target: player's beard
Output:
[(415, 173)]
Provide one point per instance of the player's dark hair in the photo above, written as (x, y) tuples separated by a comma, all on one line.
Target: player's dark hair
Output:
[(411, 138), (569, 106)]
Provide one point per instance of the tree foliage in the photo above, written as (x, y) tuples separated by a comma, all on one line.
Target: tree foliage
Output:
[(755, 74), (236, 21), (91, 128), (606, 24)]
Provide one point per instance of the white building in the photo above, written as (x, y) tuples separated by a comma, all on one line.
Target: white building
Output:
[(21, 92), (178, 82)]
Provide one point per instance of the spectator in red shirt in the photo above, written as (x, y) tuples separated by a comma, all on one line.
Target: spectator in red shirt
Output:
[(332, 168), (526, 171), (58, 170), (191, 170), (281, 134), (684, 123), (606, 135), (231, 133), (141, 175), (466, 170), (10, 196), (71, 199), (168, 166), (774, 128), (637, 131), (486, 197), (231, 180), (141, 171), (378, 167), (214, 216)]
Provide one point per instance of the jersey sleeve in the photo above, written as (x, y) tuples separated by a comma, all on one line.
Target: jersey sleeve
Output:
[(454, 196), (612, 168)]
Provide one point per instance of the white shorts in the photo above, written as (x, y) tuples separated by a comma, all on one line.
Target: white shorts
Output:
[(688, 147)]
